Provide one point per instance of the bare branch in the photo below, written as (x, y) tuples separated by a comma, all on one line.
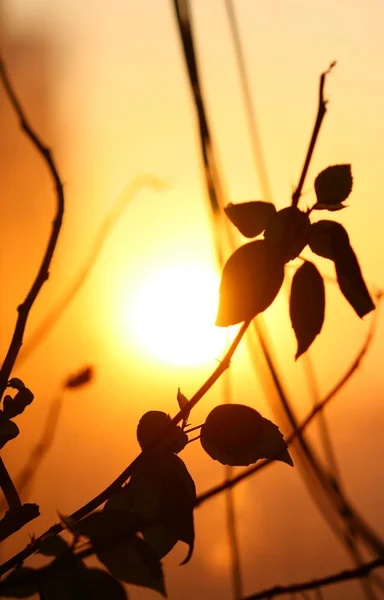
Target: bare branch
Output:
[(319, 119), (116, 485), (43, 272), (6, 483), (314, 584)]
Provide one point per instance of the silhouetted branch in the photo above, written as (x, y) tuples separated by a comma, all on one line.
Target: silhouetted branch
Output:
[(320, 406), (58, 309), (119, 481), (43, 272), (6, 484), (319, 119), (314, 584)]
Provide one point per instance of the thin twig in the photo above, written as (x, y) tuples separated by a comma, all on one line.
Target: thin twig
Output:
[(315, 584), (43, 272), (319, 119), (6, 484)]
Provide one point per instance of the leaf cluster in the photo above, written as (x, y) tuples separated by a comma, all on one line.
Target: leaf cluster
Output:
[(254, 273)]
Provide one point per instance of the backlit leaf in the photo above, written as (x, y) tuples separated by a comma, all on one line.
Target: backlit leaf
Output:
[(289, 232), (162, 490), (237, 435), (251, 279), (351, 282), (155, 432), (113, 537), (250, 218), (307, 305), (330, 240), (133, 561), (333, 186)]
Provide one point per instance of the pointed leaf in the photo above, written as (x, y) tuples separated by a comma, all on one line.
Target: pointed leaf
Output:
[(289, 231), (20, 583), (333, 185), (329, 239), (162, 490), (307, 305), (250, 218), (238, 435), (251, 279), (351, 282), (134, 562)]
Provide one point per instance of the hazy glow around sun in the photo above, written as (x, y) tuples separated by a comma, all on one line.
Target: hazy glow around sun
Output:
[(173, 315)]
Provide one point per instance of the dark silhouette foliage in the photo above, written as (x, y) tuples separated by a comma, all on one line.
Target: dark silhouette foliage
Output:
[(150, 507), (307, 305), (238, 435), (254, 273)]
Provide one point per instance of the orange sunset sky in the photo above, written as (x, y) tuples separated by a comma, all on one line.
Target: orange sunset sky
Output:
[(105, 85)]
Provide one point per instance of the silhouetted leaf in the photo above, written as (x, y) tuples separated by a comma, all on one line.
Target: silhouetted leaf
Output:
[(327, 238), (79, 379), (251, 279), (15, 406), (73, 581), (100, 585), (183, 401), (134, 562), (351, 281), (8, 431), (289, 232), (330, 240), (162, 490), (333, 186), (307, 305), (16, 384), (20, 583), (238, 435), (155, 432), (250, 218), (53, 545)]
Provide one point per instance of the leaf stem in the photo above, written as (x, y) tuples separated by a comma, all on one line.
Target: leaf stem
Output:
[(319, 119)]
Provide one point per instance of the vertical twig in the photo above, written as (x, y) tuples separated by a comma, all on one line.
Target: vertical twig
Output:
[(6, 484), (319, 119), (43, 272)]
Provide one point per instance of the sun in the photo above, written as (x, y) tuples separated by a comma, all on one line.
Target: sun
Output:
[(173, 313)]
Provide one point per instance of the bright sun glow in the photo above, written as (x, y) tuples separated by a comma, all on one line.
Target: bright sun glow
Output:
[(173, 315)]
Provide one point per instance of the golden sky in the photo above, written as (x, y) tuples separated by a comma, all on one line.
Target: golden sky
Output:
[(105, 84)]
